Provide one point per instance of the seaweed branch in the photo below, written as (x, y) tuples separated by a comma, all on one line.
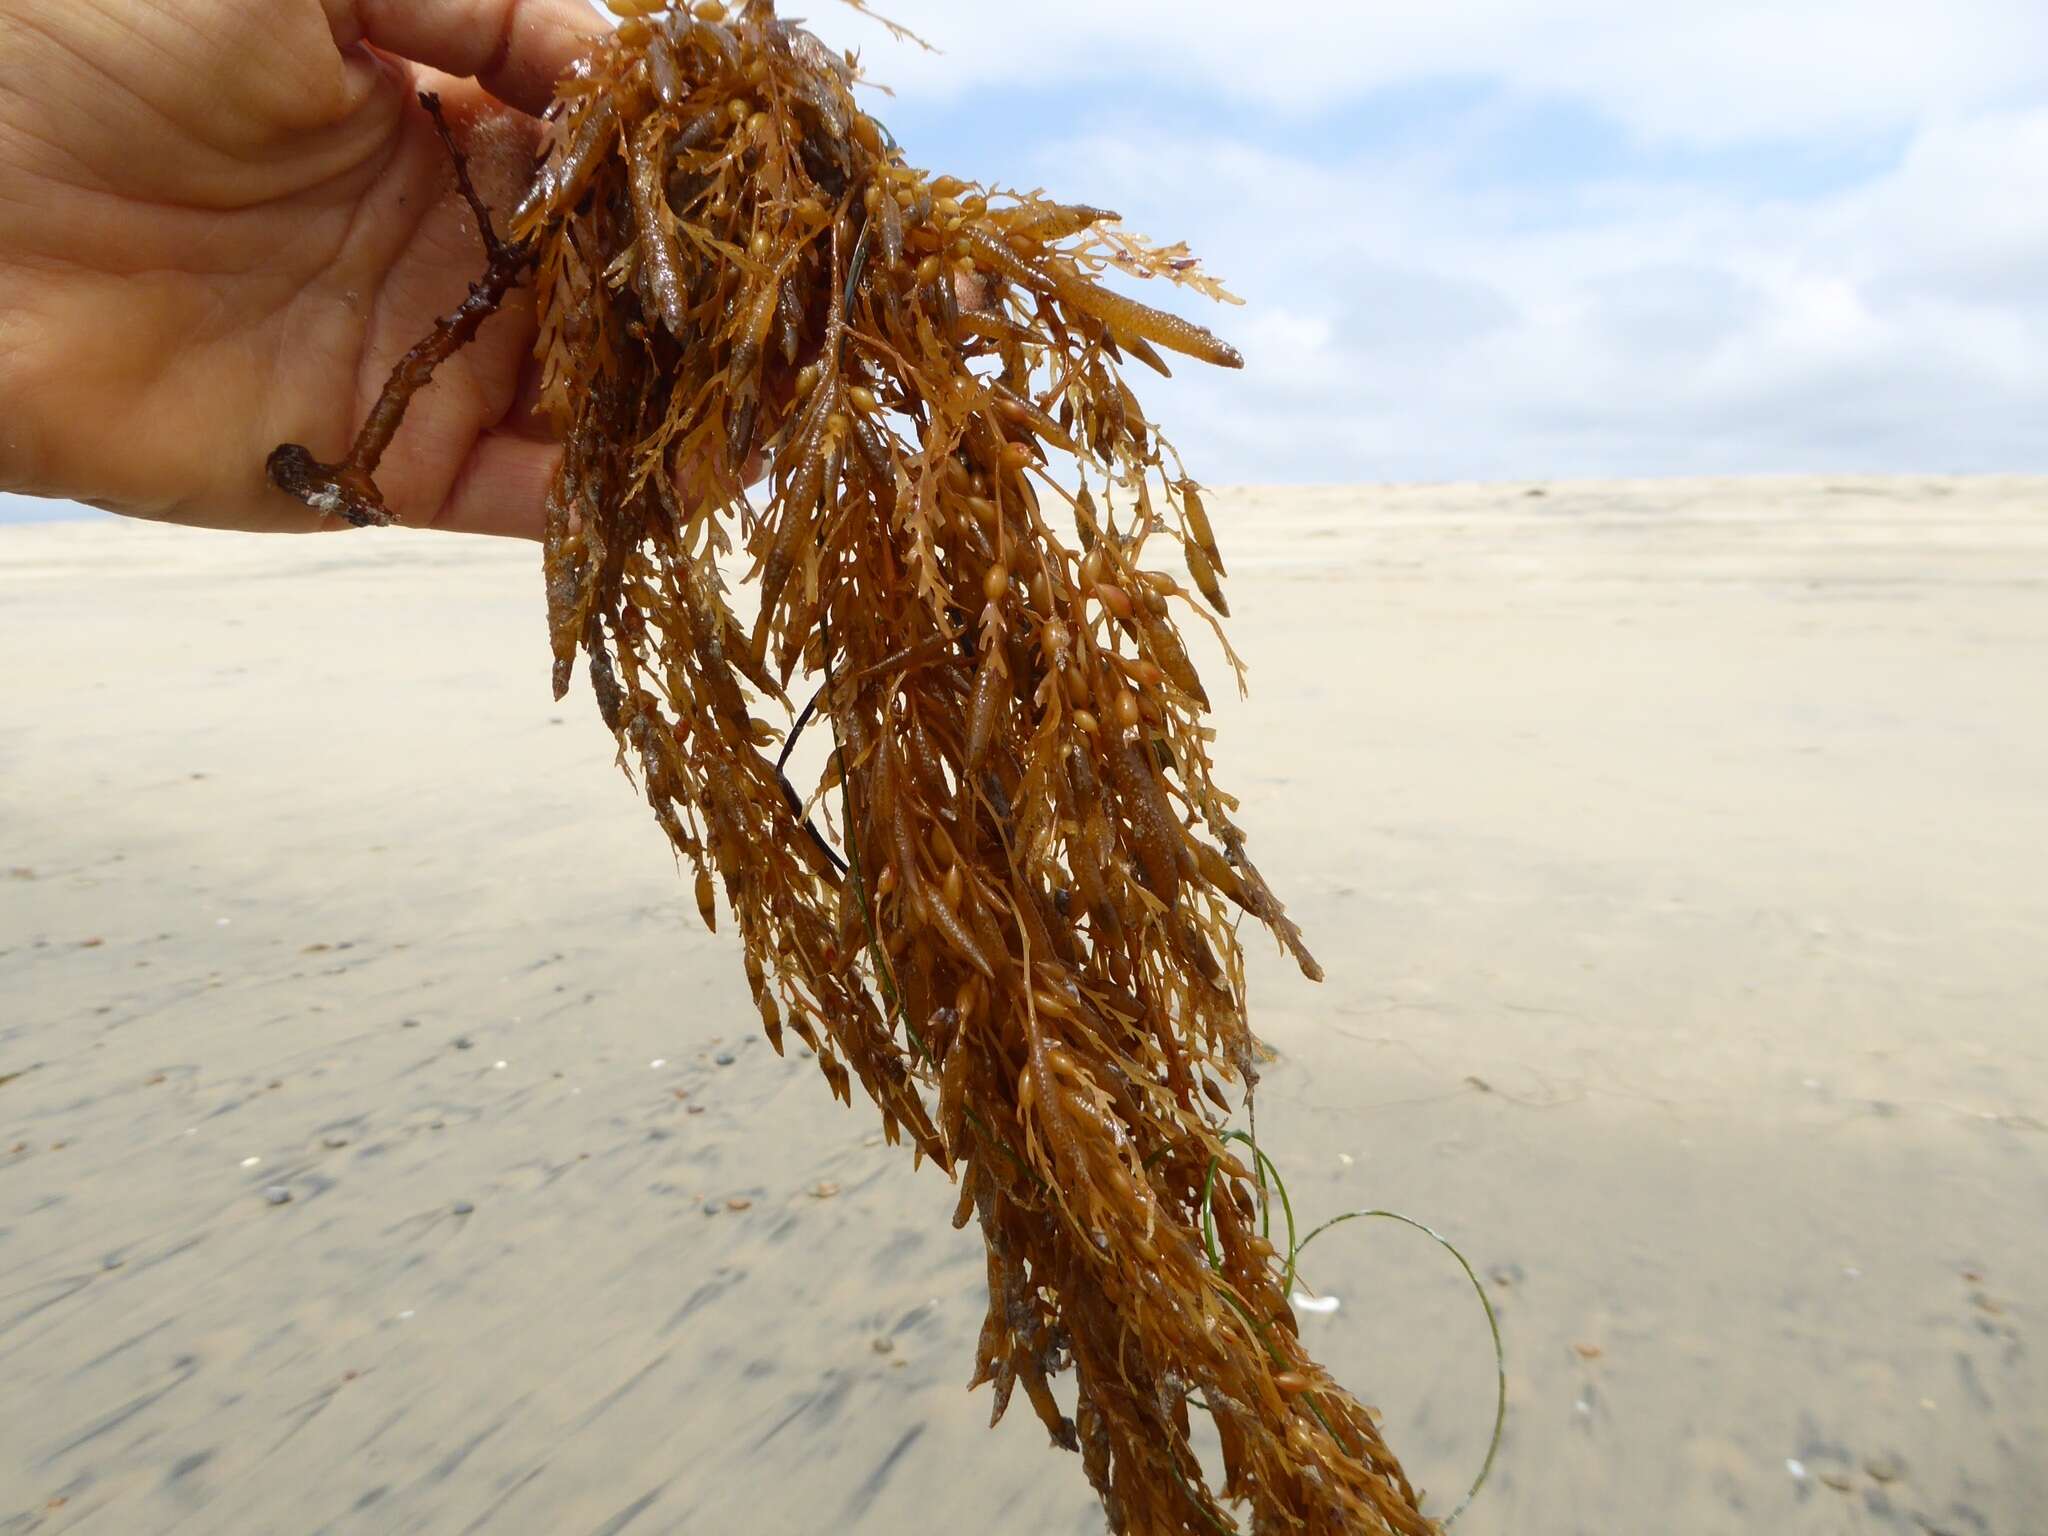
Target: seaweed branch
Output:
[(348, 489), (1025, 943)]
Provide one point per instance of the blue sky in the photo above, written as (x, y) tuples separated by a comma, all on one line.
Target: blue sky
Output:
[(1522, 239), (1539, 238)]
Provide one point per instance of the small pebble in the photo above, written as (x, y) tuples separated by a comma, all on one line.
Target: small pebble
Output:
[(112, 1261), (408, 1023), (499, 1066), (738, 1203), (251, 1162), (694, 1109), (1797, 1468), (1884, 1468), (882, 1344), (464, 1208), (658, 1063), (334, 1143), (825, 1191), (463, 1042), (277, 1194), (725, 1058), (1837, 1479)]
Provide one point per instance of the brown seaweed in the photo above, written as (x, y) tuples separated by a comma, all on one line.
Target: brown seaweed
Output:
[(1009, 904)]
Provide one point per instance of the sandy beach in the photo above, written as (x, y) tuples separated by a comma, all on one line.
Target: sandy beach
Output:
[(385, 1147)]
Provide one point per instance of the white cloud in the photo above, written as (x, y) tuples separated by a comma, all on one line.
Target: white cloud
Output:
[(1401, 327), (1706, 71), (1415, 314)]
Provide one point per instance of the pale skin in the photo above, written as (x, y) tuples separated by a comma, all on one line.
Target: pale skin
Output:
[(221, 222)]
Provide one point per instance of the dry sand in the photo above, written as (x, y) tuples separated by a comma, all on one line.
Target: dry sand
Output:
[(1678, 852)]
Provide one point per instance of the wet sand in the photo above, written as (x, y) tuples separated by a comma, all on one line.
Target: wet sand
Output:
[(1678, 853)]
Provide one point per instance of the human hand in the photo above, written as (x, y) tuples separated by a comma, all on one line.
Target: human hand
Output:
[(221, 223)]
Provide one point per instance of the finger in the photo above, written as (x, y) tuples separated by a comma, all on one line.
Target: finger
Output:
[(971, 290), (527, 417), (516, 49), (502, 489)]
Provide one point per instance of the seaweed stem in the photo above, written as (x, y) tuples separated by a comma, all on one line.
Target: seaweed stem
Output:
[(347, 489)]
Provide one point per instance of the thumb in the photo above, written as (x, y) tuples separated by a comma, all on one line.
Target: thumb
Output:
[(515, 49)]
